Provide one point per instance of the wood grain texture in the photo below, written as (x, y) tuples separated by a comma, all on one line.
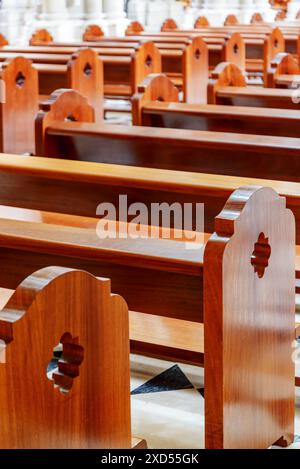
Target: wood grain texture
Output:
[(85, 75), (195, 72), (249, 373), (19, 107), (53, 305)]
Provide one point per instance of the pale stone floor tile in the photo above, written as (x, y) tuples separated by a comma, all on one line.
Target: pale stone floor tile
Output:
[(173, 419)]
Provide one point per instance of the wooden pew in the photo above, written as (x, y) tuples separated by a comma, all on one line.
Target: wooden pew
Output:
[(8, 227), (228, 86), (45, 315), (18, 106), (123, 69), (220, 49), (157, 105), (165, 149)]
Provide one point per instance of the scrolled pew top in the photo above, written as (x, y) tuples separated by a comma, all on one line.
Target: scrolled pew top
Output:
[(93, 32), (256, 18), (255, 227), (201, 22), (282, 65), (134, 28), (63, 307), (169, 25), (155, 87), (41, 37), (225, 74), (231, 20), (63, 105)]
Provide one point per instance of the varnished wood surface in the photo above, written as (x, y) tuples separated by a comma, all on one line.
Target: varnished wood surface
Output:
[(235, 389), (52, 306), (166, 149)]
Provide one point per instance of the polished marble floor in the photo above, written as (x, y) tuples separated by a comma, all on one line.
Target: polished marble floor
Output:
[(168, 404)]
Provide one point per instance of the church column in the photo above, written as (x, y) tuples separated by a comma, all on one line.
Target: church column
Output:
[(116, 21), (53, 15)]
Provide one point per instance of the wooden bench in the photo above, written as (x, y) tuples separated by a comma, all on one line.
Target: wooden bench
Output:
[(18, 105), (228, 86), (157, 105), (267, 157), (133, 266), (54, 357), (124, 69)]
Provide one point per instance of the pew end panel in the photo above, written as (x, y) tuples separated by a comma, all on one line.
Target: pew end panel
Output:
[(145, 61), (282, 64), (231, 20), (169, 25), (41, 37), (249, 314), (19, 106), (84, 402), (234, 51), (156, 87), (256, 18), (63, 105), (225, 74), (86, 75), (195, 72), (274, 44), (134, 29), (92, 33), (201, 22)]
